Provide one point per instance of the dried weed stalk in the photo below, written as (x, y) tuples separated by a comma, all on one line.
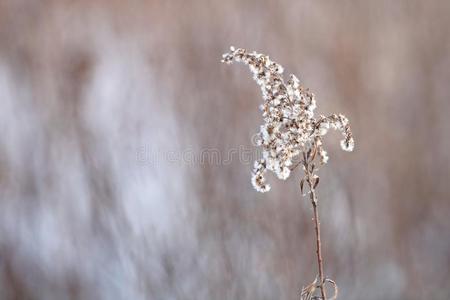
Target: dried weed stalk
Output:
[(290, 137)]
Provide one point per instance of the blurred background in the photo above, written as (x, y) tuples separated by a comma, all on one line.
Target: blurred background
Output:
[(116, 117)]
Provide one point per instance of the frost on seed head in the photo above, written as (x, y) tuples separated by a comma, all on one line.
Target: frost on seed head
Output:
[(289, 127)]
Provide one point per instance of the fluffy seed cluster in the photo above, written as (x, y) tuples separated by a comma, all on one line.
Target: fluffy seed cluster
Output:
[(290, 127)]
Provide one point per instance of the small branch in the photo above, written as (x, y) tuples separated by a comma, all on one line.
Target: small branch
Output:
[(295, 166)]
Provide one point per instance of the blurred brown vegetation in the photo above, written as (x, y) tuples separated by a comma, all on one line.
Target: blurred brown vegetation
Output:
[(86, 85)]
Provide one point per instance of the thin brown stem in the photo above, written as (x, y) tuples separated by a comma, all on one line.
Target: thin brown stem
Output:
[(318, 243), (312, 182)]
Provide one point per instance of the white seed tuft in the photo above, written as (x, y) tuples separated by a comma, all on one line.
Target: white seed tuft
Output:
[(289, 127)]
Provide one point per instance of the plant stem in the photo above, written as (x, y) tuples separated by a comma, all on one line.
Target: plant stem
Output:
[(312, 185), (318, 243)]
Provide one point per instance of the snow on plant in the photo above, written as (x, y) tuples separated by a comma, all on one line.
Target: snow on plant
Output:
[(291, 136)]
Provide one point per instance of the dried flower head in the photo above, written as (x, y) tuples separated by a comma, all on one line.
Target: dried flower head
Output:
[(290, 128)]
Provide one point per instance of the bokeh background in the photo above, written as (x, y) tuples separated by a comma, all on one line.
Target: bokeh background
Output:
[(104, 106)]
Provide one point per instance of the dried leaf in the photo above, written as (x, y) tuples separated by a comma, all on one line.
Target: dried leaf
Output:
[(316, 182), (308, 291), (308, 154), (335, 287), (313, 156)]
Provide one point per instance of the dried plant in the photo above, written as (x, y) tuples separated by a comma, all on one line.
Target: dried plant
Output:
[(290, 137)]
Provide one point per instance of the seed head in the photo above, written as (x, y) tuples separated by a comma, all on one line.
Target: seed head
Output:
[(289, 127)]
